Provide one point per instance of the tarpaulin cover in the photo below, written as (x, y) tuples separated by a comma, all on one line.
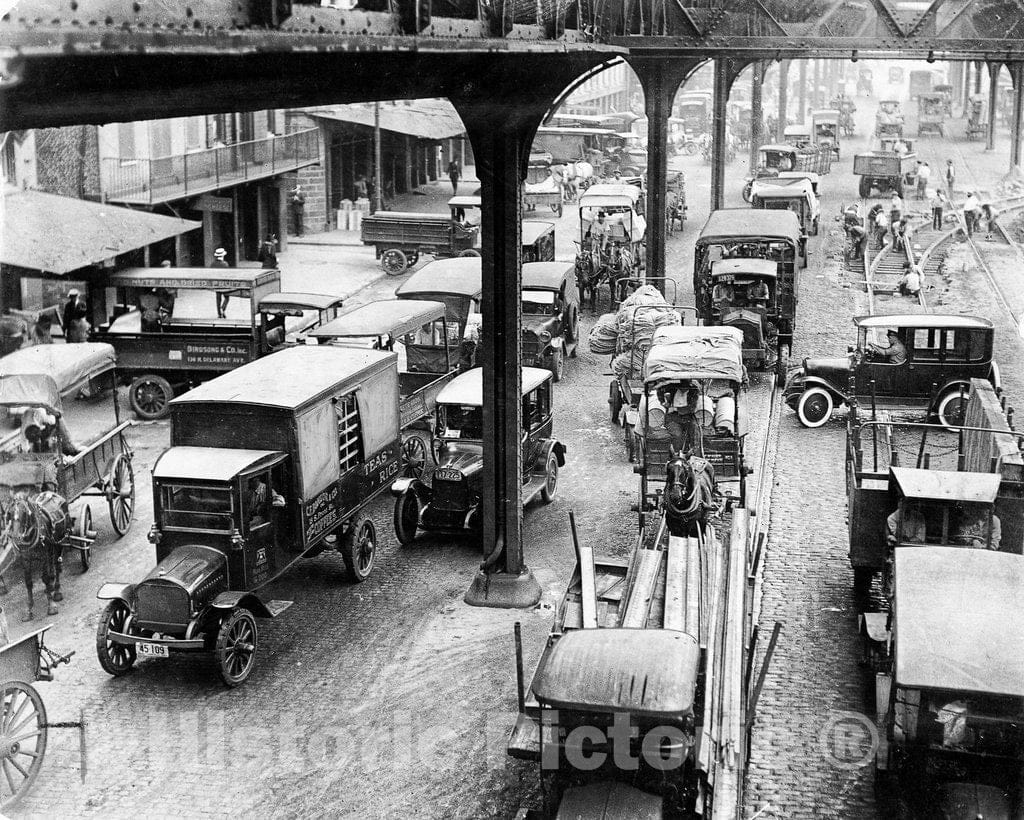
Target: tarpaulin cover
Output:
[(39, 375), (680, 352)]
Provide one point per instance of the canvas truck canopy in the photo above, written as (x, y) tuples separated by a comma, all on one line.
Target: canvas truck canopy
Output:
[(610, 194), (748, 224), (796, 131), (946, 485), (546, 275), (211, 463), (461, 276), (959, 620), (732, 268), (468, 388), (394, 317), (781, 187), (298, 302), (929, 320), (679, 352), (38, 376), (648, 673), (532, 231), (829, 115)]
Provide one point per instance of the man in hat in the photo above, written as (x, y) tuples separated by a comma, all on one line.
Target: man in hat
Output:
[(297, 201), (220, 260), (895, 353), (73, 319)]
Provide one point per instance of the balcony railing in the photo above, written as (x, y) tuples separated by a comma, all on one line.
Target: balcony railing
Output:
[(151, 181)]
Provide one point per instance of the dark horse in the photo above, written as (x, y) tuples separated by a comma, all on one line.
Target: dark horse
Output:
[(35, 528), (689, 493), (590, 275)]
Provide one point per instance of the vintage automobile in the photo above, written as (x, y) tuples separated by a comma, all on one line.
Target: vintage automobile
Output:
[(400, 237), (775, 160), (694, 109), (947, 97), (931, 113), (573, 144), (798, 135), (794, 194), (452, 501), (706, 361), (262, 471), (738, 234), (540, 188), (428, 348), (865, 84), (889, 119), (884, 171), (538, 241), (943, 353), (825, 123), (551, 320), (459, 284), (948, 690), (748, 300), (287, 318), (50, 379), (920, 82), (167, 335)]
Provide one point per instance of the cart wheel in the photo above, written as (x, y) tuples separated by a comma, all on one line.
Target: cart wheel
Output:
[(414, 455), (470, 252), (236, 647), (394, 261), (550, 488), (407, 517), (359, 548), (149, 396), (121, 496), (22, 740), (83, 529), (115, 658), (615, 401), (413, 258), (556, 364)]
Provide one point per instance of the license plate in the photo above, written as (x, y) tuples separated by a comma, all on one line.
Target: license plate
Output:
[(152, 650), (448, 475)]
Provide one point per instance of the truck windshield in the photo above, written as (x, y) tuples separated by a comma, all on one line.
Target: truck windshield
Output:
[(205, 508)]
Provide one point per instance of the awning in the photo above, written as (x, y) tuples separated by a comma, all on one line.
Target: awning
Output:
[(426, 119), (59, 234)]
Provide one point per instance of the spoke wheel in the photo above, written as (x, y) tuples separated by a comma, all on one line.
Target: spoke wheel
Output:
[(407, 517), (550, 487), (22, 740), (115, 658), (121, 497), (394, 261), (414, 455), (236, 647), (149, 396), (83, 528), (359, 549)]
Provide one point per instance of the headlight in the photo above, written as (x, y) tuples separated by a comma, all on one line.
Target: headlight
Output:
[(544, 336)]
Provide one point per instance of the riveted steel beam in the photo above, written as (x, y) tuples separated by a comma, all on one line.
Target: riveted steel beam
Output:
[(726, 72)]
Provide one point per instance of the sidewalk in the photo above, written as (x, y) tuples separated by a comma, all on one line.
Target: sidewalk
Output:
[(430, 198)]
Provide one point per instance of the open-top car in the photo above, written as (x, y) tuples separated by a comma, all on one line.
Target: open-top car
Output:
[(452, 501), (948, 685), (941, 353), (270, 463), (551, 321)]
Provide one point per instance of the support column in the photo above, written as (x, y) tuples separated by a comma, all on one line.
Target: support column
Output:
[(1017, 74), (718, 122), (817, 82), (967, 86), (977, 77), (784, 95), (660, 80), (803, 92), (756, 110), (993, 100)]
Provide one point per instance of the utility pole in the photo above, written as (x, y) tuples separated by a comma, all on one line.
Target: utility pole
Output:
[(378, 186)]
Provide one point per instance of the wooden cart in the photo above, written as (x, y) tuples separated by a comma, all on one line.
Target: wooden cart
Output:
[(399, 238)]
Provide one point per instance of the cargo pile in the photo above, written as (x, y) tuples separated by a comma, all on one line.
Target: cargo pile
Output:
[(628, 333)]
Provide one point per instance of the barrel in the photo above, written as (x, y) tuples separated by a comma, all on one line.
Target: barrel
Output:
[(725, 415), (704, 412)]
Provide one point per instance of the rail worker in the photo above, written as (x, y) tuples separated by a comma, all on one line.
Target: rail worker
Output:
[(938, 203), (895, 353), (881, 226), (971, 209), (989, 214), (858, 240), (895, 214), (924, 174), (910, 281), (950, 176)]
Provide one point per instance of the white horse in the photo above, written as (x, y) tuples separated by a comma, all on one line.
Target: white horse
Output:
[(573, 176)]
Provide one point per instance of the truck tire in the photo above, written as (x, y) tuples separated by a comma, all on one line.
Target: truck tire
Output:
[(359, 549), (407, 516), (470, 252), (394, 261), (149, 396), (815, 407)]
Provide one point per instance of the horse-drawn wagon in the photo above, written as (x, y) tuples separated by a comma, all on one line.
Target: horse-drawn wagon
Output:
[(452, 501), (542, 188), (428, 347), (931, 113), (43, 470), (270, 463), (612, 236), (399, 238), (889, 119), (694, 402)]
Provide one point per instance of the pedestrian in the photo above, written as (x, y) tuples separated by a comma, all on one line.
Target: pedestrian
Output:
[(73, 320), (166, 263), (220, 260), (990, 215), (881, 228), (924, 174), (298, 206), (950, 177), (910, 281), (895, 213), (268, 252), (970, 208), (362, 192), (454, 174), (938, 202)]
